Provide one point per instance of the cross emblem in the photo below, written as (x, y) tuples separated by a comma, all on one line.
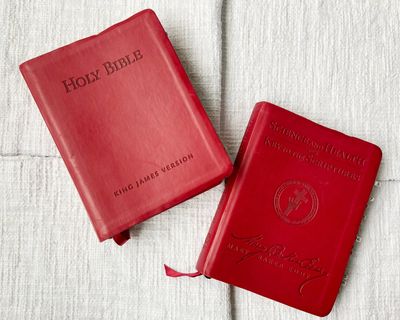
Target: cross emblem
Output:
[(295, 201)]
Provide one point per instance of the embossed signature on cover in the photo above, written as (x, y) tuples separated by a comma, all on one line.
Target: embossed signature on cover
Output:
[(278, 256)]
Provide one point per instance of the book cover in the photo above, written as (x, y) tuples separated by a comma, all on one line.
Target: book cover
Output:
[(127, 122), (291, 209)]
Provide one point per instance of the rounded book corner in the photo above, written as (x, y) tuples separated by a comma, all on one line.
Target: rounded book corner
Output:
[(150, 12), (324, 311), (227, 169), (378, 152)]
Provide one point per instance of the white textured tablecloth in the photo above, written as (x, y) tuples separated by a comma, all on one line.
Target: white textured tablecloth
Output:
[(335, 62)]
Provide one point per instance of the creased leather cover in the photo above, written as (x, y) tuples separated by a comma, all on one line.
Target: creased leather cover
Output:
[(291, 210), (127, 122)]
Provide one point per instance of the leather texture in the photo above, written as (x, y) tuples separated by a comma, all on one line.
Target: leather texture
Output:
[(335, 62), (127, 122), (291, 210)]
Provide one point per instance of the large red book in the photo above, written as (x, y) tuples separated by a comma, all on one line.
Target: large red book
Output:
[(291, 209), (127, 122)]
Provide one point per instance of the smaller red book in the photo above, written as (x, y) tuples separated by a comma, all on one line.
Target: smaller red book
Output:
[(290, 212), (127, 122)]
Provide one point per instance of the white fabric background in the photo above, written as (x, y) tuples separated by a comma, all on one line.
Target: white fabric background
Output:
[(336, 62)]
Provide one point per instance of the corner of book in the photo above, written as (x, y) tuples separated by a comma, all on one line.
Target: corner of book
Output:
[(377, 152), (201, 261), (227, 168), (23, 67), (103, 234), (260, 104), (265, 104), (149, 11), (200, 266), (324, 310), (150, 14)]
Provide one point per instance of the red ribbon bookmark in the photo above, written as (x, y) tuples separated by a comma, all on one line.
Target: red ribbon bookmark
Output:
[(173, 273), (122, 237)]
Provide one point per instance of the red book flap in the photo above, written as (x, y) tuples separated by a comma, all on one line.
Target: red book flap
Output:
[(127, 122), (291, 210)]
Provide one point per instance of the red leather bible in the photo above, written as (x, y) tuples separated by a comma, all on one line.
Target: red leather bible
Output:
[(127, 122), (290, 212)]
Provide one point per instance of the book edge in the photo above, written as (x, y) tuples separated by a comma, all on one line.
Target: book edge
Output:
[(202, 263), (59, 50)]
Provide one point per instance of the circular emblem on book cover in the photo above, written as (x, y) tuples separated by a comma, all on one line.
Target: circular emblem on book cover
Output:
[(296, 202)]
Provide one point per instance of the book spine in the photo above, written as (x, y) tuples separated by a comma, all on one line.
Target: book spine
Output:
[(202, 261)]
